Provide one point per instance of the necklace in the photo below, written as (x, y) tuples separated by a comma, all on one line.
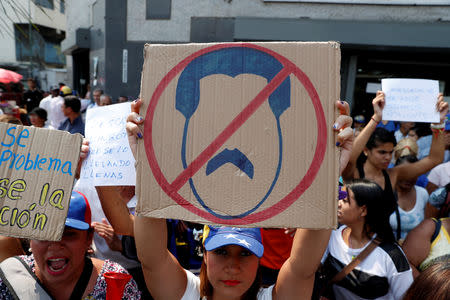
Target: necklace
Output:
[(350, 245)]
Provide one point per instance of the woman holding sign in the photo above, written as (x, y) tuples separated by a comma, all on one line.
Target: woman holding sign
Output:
[(62, 269), (231, 257), (377, 145)]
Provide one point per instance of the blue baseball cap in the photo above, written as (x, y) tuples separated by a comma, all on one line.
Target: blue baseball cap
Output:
[(218, 236), (79, 214), (359, 119)]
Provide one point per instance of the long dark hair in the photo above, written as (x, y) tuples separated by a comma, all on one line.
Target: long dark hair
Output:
[(370, 194), (380, 136), (206, 289)]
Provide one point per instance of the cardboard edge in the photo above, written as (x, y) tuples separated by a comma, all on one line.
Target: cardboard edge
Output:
[(332, 224)]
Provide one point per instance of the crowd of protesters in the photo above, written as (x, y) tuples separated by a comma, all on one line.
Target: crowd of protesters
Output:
[(392, 242)]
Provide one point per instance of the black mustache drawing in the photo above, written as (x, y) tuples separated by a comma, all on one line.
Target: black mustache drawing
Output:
[(235, 157)]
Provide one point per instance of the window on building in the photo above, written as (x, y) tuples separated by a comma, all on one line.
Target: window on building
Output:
[(45, 45), (62, 6), (158, 9), (45, 3)]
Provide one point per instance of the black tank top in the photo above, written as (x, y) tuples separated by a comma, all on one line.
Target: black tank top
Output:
[(389, 198)]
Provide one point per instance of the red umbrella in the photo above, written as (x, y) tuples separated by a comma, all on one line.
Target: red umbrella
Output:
[(7, 76)]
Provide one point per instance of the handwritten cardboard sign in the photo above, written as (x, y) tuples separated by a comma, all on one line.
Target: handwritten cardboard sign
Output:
[(37, 169), (410, 100), (240, 134), (110, 161)]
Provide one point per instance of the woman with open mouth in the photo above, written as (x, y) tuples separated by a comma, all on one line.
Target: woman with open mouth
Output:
[(62, 269)]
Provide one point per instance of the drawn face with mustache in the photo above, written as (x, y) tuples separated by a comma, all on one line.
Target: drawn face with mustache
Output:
[(221, 67)]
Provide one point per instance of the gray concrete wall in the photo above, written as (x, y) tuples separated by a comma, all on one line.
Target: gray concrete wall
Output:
[(78, 15), (98, 45), (177, 29)]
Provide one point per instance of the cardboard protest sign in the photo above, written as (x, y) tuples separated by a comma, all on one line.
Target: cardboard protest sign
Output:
[(110, 161), (240, 134), (37, 169), (410, 100)]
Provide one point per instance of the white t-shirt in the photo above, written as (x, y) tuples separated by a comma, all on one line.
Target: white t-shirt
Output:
[(440, 175), (384, 274), (399, 135), (53, 106), (192, 291), (412, 218)]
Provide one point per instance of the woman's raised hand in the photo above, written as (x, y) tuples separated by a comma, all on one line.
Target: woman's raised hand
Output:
[(442, 107), (133, 122), (378, 105), (345, 136)]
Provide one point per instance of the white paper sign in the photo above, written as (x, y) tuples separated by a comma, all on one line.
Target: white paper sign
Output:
[(110, 161), (410, 100)]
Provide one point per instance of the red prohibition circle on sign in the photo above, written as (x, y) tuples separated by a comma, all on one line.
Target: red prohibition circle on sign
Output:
[(171, 189)]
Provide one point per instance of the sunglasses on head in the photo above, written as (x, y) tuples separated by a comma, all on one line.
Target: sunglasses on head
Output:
[(342, 193)]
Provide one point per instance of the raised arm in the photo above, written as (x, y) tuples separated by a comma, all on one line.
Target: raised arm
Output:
[(417, 244), (296, 277), (115, 209), (436, 156), (164, 276), (362, 139)]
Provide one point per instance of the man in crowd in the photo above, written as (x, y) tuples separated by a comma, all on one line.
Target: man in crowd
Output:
[(96, 96), (32, 96), (71, 109), (122, 99), (105, 100), (402, 132), (53, 105)]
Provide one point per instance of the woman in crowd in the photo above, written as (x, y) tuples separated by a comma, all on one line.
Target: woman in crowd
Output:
[(432, 284), (38, 118), (378, 144), (231, 257), (428, 243), (385, 272), (411, 199), (61, 269)]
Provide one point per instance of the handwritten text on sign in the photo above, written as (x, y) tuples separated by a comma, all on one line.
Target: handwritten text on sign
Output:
[(410, 100), (37, 168), (110, 161)]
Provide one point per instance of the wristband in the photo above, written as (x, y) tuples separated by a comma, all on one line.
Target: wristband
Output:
[(437, 131), (438, 126), (377, 122)]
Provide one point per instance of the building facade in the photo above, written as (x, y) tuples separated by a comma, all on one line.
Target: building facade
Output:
[(33, 49), (379, 38)]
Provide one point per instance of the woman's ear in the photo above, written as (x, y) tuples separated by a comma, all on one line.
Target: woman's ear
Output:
[(90, 236), (363, 211), (366, 151)]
